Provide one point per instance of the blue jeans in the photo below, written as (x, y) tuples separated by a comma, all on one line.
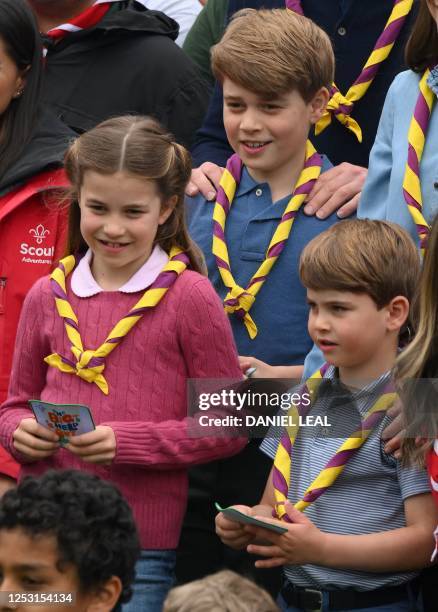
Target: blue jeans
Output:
[(154, 577), (404, 605)]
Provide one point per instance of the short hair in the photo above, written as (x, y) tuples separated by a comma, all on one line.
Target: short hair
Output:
[(273, 52), (362, 256), (224, 591), (90, 520)]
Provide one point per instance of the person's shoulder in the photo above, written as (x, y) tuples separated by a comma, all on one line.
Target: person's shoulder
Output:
[(190, 280), (408, 79), (40, 291)]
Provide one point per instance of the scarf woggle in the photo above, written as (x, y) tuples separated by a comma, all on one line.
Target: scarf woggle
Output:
[(417, 140), (90, 364), (334, 467), (341, 106), (239, 300)]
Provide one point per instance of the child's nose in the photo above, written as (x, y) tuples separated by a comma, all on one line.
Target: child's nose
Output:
[(320, 321), (250, 121), (113, 229)]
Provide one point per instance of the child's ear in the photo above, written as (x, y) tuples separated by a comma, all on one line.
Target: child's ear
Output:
[(318, 104), (106, 597), (167, 209), (398, 312)]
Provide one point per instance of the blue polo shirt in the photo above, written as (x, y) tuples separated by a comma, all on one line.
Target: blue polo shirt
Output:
[(280, 310)]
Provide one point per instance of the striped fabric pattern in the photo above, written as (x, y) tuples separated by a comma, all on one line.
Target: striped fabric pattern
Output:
[(90, 364), (239, 300), (341, 106), (416, 141), (281, 474), (87, 19), (369, 494)]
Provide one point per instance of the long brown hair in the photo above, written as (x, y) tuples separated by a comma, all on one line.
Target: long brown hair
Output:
[(420, 361), (422, 46), (21, 40), (141, 147)]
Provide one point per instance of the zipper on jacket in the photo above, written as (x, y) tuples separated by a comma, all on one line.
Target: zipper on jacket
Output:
[(2, 294)]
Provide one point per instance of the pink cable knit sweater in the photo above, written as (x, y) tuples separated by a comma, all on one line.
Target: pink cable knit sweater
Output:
[(186, 336)]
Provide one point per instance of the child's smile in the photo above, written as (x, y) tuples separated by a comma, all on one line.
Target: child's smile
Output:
[(120, 217), (269, 135)]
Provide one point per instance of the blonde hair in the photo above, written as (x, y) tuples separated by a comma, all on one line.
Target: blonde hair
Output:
[(362, 256), (224, 591), (141, 147), (420, 360), (273, 52)]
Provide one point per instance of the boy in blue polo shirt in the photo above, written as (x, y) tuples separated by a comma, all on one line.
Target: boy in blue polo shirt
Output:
[(275, 68), (367, 531)]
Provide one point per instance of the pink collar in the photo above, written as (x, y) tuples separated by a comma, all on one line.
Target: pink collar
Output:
[(83, 284)]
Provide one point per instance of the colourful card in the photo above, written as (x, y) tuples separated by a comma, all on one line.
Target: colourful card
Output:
[(240, 517), (65, 420)]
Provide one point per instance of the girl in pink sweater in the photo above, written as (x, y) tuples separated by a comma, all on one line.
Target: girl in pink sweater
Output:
[(121, 330)]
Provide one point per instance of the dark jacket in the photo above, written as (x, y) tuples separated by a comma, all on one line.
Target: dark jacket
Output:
[(354, 27), (128, 63)]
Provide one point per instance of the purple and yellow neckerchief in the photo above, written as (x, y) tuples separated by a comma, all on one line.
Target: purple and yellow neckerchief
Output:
[(416, 142), (282, 469), (341, 106), (89, 364), (239, 300)]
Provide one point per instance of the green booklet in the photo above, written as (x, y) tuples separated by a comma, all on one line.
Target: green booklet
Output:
[(240, 517)]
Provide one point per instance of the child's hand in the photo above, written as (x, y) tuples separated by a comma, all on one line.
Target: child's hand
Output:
[(262, 369), (231, 533), (98, 446), (35, 441), (303, 542)]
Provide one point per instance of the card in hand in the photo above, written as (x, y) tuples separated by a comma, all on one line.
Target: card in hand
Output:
[(65, 420)]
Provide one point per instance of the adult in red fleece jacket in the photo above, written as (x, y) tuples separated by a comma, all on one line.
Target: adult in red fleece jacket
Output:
[(32, 144)]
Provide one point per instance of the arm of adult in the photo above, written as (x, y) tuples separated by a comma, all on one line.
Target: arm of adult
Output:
[(207, 343), (374, 198)]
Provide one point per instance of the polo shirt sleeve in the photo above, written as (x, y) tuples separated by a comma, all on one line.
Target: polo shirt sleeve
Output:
[(269, 445), (412, 480)]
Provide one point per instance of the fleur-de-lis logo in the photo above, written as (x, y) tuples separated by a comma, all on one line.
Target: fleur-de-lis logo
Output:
[(39, 233)]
